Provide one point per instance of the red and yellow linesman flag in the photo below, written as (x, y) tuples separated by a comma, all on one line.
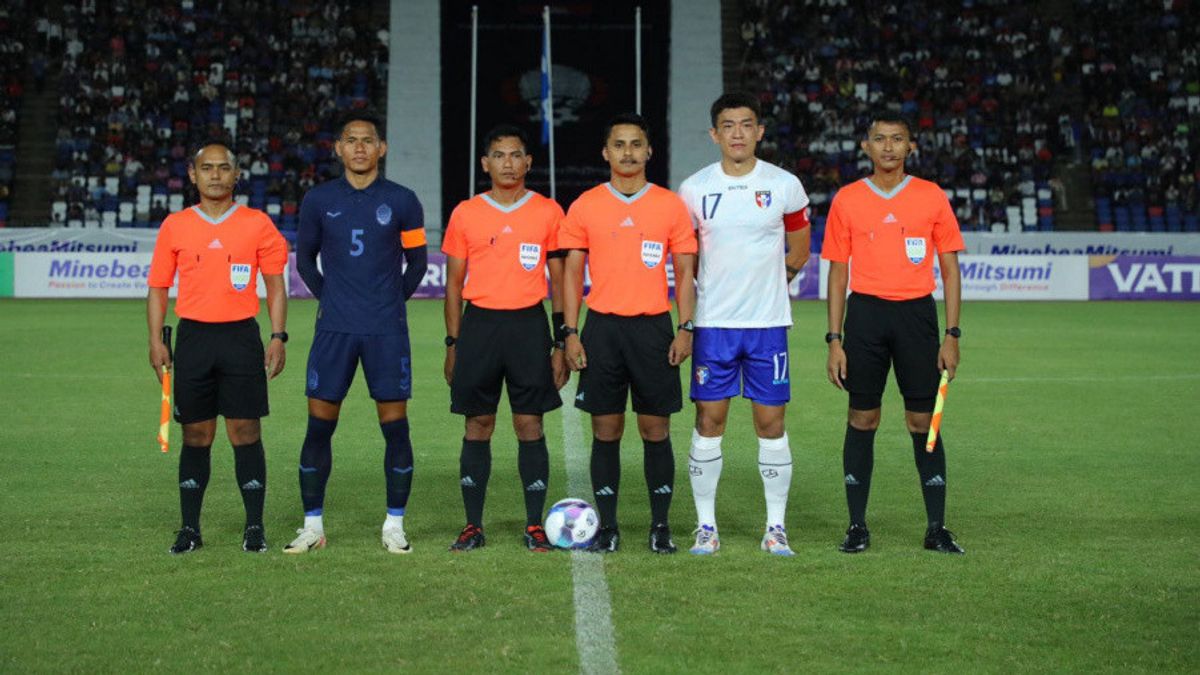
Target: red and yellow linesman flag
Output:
[(164, 420), (935, 424)]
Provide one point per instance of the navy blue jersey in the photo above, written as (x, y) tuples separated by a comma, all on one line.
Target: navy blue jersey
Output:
[(362, 237)]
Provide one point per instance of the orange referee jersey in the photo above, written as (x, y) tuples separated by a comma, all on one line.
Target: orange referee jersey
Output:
[(218, 261), (891, 239), (628, 240), (505, 248)]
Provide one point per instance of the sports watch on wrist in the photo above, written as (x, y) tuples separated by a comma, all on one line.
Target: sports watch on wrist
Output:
[(689, 326), (567, 330), (282, 336), (830, 337), (450, 340), (954, 332)]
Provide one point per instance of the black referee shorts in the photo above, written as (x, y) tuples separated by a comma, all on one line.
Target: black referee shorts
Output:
[(880, 333), (219, 370), (498, 346), (624, 353)]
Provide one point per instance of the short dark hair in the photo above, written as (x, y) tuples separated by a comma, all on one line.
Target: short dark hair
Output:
[(504, 131), (735, 99), (887, 117), (360, 115), (220, 143), (627, 118)]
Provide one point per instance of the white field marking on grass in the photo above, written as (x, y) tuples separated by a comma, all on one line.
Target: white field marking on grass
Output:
[(594, 637)]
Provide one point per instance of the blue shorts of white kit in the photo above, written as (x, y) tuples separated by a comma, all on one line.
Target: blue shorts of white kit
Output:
[(728, 361), (386, 361)]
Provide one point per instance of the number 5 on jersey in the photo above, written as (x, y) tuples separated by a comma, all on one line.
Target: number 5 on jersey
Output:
[(356, 243)]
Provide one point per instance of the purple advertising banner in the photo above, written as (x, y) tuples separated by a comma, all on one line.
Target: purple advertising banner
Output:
[(1127, 277), (804, 287)]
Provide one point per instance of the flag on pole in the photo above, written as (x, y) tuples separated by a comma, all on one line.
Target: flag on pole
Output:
[(547, 107)]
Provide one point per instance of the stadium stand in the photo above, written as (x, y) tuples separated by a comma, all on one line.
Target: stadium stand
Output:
[(1141, 81), (142, 83), (13, 63)]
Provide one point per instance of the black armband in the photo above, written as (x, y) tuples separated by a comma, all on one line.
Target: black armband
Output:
[(557, 253), (559, 322)]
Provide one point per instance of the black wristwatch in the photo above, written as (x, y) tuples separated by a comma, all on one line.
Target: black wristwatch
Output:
[(567, 330), (689, 326), (450, 340), (830, 337), (282, 336), (954, 332)]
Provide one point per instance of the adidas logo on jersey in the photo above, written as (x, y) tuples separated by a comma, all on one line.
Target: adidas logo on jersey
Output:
[(890, 218), (936, 481), (467, 482), (536, 486), (506, 230), (605, 491), (628, 222), (215, 243)]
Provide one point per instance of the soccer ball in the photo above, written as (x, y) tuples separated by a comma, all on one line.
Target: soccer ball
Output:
[(572, 523)]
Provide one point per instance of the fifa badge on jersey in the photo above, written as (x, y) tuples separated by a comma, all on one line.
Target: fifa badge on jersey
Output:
[(763, 199), (652, 253), (383, 214), (702, 375), (239, 276), (530, 255), (914, 247)]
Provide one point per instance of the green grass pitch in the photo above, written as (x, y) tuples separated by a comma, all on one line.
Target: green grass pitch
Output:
[(1073, 483)]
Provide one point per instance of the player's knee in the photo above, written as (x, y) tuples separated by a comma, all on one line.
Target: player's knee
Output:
[(325, 410), (480, 427), (607, 428), (527, 427), (864, 420), (654, 428), (709, 424), (917, 422), (243, 432)]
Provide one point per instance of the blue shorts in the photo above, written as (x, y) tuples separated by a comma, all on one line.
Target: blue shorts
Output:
[(386, 361), (758, 355)]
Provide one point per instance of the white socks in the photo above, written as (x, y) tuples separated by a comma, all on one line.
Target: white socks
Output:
[(393, 522), (775, 466), (704, 467), (314, 523)]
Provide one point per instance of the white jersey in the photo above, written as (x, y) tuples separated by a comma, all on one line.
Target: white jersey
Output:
[(742, 281)]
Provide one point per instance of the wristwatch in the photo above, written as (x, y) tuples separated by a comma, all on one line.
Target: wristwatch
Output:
[(830, 337), (282, 336), (567, 330), (688, 325), (450, 340), (954, 332)]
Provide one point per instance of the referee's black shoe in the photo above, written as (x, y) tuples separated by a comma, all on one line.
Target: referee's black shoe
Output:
[(469, 539), (942, 540), (858, 539), (186, 541), (608, 540), (254, 540), (660, 539)]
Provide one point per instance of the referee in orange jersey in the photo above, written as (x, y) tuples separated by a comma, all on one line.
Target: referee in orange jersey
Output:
[(218, 248), (498, 246), (889, 227), (625, 229)]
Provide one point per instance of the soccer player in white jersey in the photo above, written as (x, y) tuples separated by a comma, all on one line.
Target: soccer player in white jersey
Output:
[(744, 210)]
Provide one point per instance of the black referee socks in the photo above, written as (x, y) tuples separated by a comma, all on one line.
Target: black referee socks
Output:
[(659, 467), (474, 470), (858, 462), (250, 466), (606, 479), (195, 465), (931, 467), (533, 463)]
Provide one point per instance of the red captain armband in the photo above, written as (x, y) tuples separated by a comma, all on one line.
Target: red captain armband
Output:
[(794, 222)]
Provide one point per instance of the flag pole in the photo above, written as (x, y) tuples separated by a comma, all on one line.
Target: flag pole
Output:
[(637, 59), (471, 161), (548, 93)]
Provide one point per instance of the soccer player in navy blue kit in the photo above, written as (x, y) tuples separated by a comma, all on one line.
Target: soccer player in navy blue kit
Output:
[(363, 226)]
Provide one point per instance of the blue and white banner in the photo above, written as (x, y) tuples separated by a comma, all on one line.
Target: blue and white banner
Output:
[(1083, 243), (86, 275), (995, 277)]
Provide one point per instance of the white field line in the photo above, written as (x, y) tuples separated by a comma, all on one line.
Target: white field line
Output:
[(594, 638)]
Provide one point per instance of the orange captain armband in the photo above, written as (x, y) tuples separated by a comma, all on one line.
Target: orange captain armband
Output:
[(413, 238), (794, 222)]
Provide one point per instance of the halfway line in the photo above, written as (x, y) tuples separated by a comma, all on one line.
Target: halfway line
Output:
[(593, 609)]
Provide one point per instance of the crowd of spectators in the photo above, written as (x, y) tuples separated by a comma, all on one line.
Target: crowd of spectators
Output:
[(143, 83), (1141, 82), (13, 63)]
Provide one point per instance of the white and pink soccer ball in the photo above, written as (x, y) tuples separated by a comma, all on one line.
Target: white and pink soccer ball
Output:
[(572, 523)]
